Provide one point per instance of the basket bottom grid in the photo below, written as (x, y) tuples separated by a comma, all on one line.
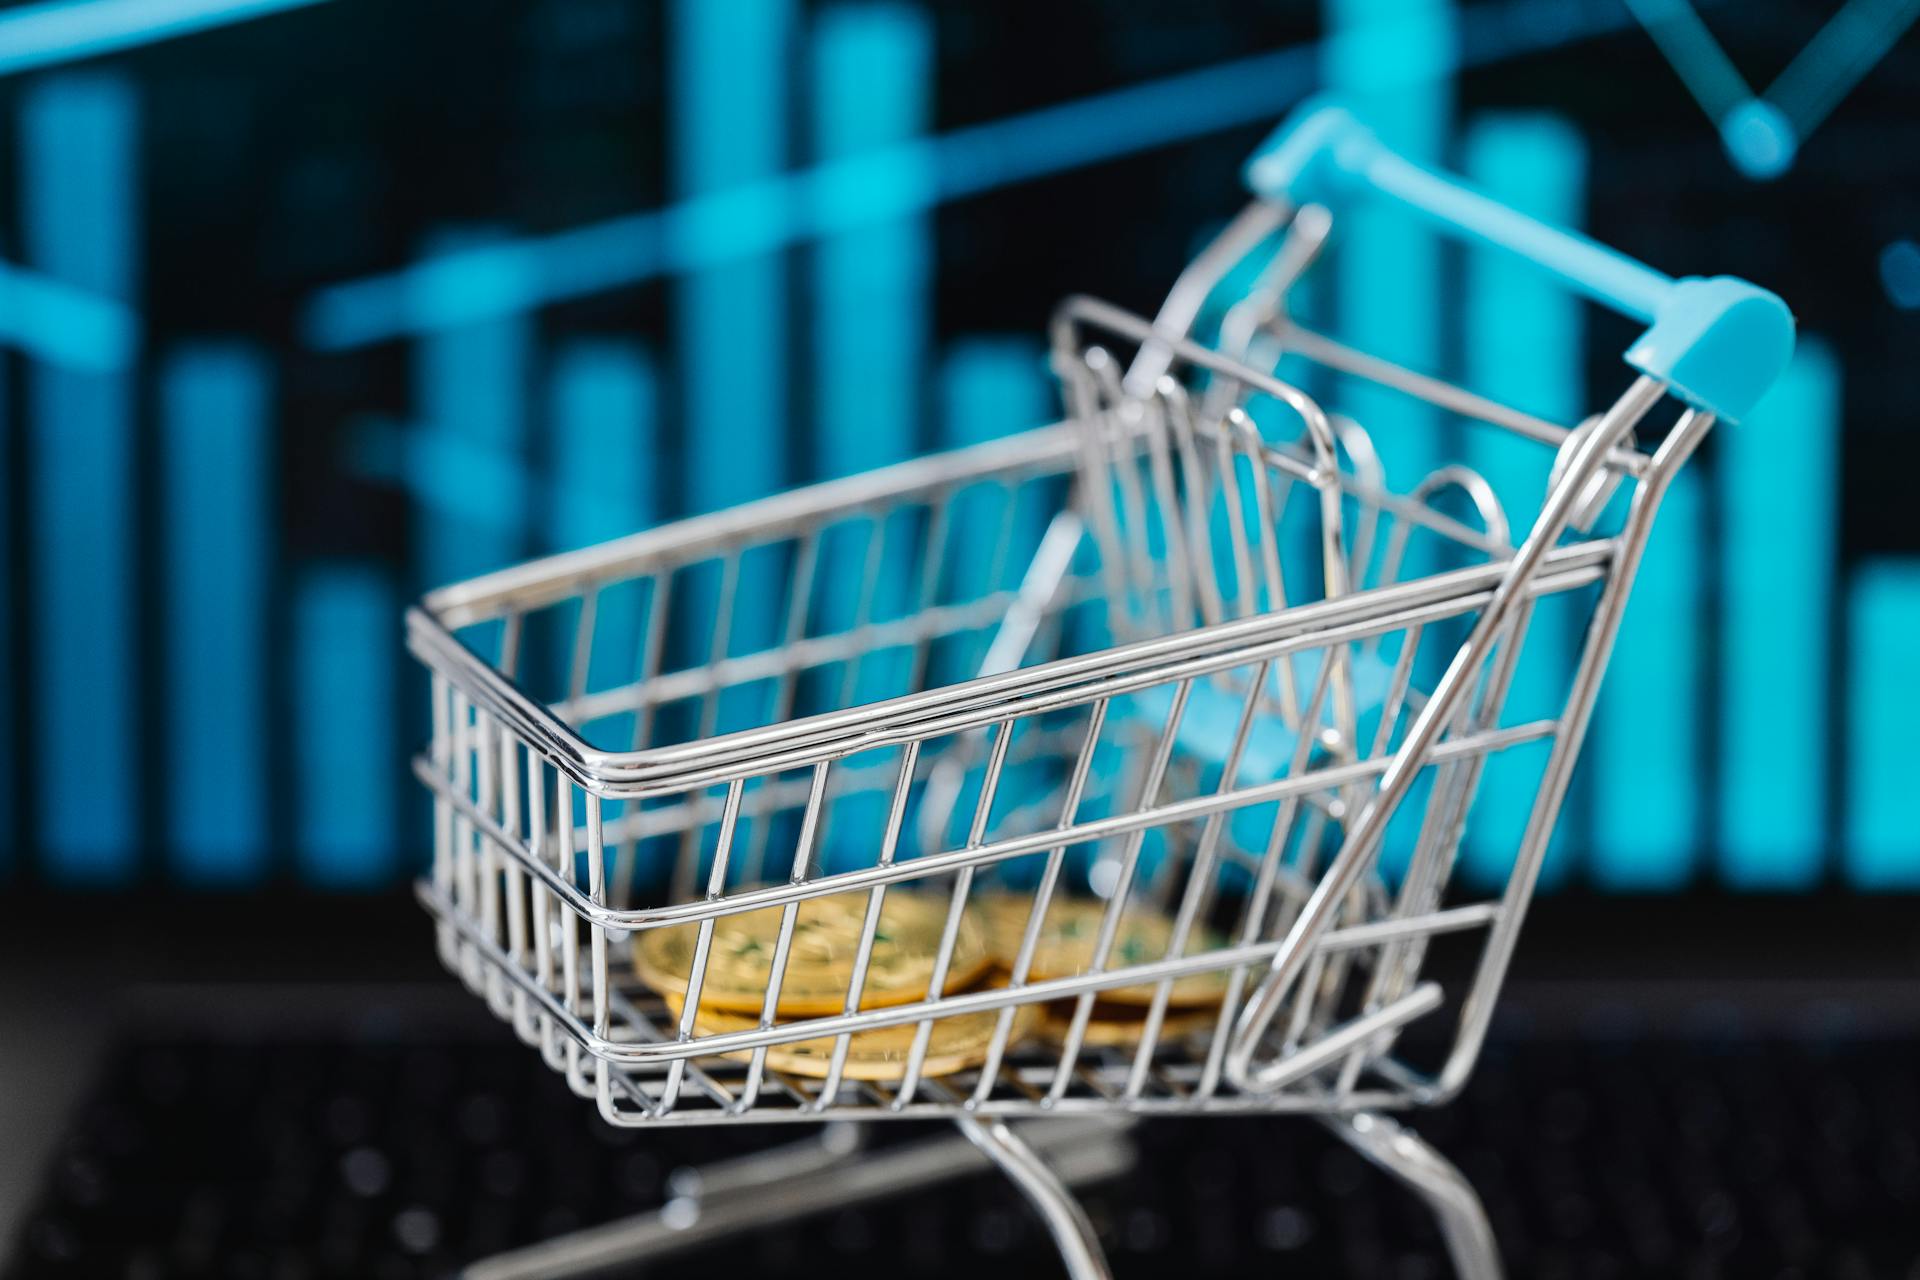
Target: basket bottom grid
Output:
[(1182, 1078)]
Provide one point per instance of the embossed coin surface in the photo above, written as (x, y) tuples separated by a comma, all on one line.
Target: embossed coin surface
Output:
[(956, 1043), (1067, 941), (1121, 1026), (826, 938)]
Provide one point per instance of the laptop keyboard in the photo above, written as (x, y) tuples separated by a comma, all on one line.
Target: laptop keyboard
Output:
[(402, 1156)]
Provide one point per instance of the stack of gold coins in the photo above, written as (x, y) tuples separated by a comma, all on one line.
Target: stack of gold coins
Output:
[(819, 974), (1065, 946)]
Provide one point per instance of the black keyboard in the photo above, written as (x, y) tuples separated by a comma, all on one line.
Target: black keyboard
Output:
[(402, 1155)]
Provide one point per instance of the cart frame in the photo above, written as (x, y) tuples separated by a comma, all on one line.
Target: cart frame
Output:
[(541, 835)]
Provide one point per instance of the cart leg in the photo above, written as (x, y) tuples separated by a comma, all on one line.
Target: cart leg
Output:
[(1402, 1153), (1066, 1220), (787, 1183)]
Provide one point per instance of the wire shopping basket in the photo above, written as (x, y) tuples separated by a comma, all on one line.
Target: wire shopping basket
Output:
[(1120, 767)]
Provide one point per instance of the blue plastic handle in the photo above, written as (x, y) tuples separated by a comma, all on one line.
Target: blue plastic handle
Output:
[(1719, 343)]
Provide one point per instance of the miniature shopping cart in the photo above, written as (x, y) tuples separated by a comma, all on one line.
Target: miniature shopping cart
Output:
[(1187, 652)]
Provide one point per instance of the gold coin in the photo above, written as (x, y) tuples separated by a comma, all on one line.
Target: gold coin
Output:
[(1065, 946), (826, 937), (1122, 1026), (957, 1042)]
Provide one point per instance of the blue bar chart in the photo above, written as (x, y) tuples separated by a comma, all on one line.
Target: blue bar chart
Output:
[(77, 195), (730, 74), (1524, 343), (603, 416), (1646, 750), (472, 380), (345, 623), (217, 442), (484, 398), (871, 69), (1882, 835), (11, 600), (989, 386), (1777, 536), (1393, 60), (603, 407), (729, 85)]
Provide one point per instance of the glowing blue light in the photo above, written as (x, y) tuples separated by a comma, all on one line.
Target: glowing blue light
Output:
[(216, 441), (759, 209), (471, 383), (41, 35), (59, 324), (1900, 274), (77, 184), (1647, 744), (1525, 347), (1759, 138), (729, 115), (346, 647), (1883, 804), (1778, 473)]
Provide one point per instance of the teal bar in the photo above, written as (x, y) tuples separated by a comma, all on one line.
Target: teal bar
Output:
[(77, 158), (1392, 62), (471, 382), (991, 387), (729, 86), (345, 631), (216, 471), (1883, 706), (1524, 347), (871, 75), (1647, 749), (1778, 473), (604, 405), (603, 411), (870, 71), (9, 606), (730, 116)]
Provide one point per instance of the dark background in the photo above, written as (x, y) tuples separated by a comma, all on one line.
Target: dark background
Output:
[(208, 531), (266, 161)]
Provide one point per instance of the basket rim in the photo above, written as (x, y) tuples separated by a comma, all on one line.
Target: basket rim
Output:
[(953, 707)]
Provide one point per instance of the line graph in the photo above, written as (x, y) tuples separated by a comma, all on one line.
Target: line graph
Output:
[(63, 324), (1763, 132), (886, 183), (42, 35)]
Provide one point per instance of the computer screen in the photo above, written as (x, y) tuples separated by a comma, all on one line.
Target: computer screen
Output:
[(308, 306)]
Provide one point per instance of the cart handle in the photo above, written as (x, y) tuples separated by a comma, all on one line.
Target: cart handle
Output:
[(1718, 343)]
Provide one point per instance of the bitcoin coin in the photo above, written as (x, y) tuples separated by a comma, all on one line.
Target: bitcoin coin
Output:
[(1066, 942), (956, 1043), (1121, 1026), (826, 937)]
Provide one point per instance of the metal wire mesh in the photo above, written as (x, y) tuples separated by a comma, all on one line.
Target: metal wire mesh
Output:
[(1153, 659)]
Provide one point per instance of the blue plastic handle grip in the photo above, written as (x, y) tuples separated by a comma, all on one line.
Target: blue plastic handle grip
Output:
[(1719, 343)]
